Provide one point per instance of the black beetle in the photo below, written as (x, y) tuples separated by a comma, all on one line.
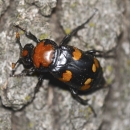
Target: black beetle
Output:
[(80, 70)]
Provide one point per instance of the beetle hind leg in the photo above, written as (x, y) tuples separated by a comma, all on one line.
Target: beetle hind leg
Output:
[(82, 101)]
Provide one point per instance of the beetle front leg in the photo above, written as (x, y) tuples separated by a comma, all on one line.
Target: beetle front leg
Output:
[(82, 101), (40, 80), (25, 72)]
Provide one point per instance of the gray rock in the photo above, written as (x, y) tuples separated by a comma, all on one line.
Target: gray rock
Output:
[(53, 107)]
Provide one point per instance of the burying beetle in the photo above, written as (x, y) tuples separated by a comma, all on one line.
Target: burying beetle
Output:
[(80, 70)]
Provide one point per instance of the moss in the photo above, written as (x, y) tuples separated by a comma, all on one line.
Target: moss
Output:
[(27, 98), (30, 125), (109, 81), (109, 68), (67, 30), (128, 62), (73, 5), (91, 24), (43, 36)]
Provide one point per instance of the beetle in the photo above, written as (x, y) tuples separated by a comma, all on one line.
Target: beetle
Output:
[(80, 70)]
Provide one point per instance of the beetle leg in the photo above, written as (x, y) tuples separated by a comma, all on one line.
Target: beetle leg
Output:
[(29, 72), (25, 72), (80, 100), (103, 54), (40, 79), (28, 34), (67, 38)]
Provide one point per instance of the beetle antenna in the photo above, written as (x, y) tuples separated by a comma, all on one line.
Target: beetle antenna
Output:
[(14, 66), (18, 41), (17, 26), (28, 34)]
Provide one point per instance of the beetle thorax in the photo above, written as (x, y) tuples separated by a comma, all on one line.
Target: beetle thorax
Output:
[(43, 55)]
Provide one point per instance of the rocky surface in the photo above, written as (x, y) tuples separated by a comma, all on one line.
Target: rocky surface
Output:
[(53, 107)]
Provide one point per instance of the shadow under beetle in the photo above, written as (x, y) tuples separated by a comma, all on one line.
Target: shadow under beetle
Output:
[(80, 70)]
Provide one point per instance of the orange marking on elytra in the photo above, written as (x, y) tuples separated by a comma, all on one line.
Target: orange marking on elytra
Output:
[(66, 76), (96, 62), (85, 87), (76, 54), (88, 81), (86, 84), (94, 68)]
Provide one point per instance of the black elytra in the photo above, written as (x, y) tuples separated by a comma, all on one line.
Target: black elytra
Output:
[(80, 70)]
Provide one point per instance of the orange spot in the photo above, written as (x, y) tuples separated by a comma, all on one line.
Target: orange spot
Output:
[(66, 76), (17, 35), (43, 55), (96, 62), (94, 68), (24, 53), (86, 84), (85, 87), (76, 54), (88, 81)]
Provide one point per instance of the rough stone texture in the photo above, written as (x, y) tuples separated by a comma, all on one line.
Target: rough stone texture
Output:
[(4, 4), (45, 6), (14, 96), (117, 112), (53, 107), (5, 119)]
